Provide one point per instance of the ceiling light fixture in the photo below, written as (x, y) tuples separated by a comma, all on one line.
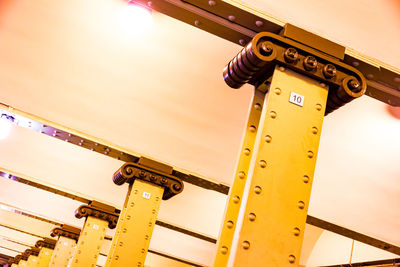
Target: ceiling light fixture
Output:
[(135, 19)]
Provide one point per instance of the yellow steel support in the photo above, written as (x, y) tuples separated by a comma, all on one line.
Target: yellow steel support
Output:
[(90, 242), (32, 261), (14, 265), (44, 257), (273, 214), (63, 252), (22, 263), (236, 192), (135, 225)]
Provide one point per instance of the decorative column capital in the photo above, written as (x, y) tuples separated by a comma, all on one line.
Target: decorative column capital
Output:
[(66, 231), (31, 251), (46, 243), (100, 211), (152, 172), (17, 258)]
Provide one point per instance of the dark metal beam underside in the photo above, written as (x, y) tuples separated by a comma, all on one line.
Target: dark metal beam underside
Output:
[(240, 26)]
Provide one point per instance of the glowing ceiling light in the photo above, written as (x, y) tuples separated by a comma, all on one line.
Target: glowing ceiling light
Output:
[(135, 19), (5, 125)]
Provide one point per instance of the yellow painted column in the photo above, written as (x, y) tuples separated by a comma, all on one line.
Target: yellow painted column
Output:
[(90, 242), (32, 261), (135, 225), (44, 257), (236, 191), (22, 263), (274, 209), (63, 252)]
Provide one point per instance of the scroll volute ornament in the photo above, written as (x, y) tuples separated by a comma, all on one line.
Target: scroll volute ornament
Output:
[(100, 211)]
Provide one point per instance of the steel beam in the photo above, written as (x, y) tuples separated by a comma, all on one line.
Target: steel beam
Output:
[(239, 24)]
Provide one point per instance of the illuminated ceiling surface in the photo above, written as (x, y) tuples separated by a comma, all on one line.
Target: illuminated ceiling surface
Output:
[(160, 93)]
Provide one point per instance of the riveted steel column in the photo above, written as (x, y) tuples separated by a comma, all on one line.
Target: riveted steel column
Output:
[(273, 214), (44, 257), (90, 242), (63, 252), (135, 225), (23, 263), (32, 261), (236, 192)]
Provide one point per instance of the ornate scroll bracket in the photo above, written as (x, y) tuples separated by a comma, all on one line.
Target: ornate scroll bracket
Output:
[(100, 211), (66, 231), (46, 243), (152, 172)]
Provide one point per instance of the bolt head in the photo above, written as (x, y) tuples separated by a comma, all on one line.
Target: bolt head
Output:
[(266, 49), (292, 259), (245, 244), (329, 71), (291, 55), (229, 224), (224, 250), (257, 190), (252, 217), (241, 175), (263, 163), (310, 63), (301, 205)]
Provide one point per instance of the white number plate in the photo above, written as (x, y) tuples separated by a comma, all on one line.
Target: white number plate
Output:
[(146, 195), (296, 99)]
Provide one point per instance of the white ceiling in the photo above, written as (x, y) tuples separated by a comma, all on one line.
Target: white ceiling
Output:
[(161, 94)]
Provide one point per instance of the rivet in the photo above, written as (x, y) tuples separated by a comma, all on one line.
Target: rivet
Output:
[(301, 205), (306, 179), (236, 199), (246, 151), (241, 175), (272, 114), (263, 163), (281, 68), (370, 76), (322, 84), (318, 107), (310, 154), (224, 250), (356, 63), (257, 189), (242, 42), (211, 3), (292, 259), (229, 224), (252, 217), (268, 138), (296, 231), (196, 22), (231, 18), (257, 106), (277, 91), (314, 130), (252, 128), (396, 79), (245, 244), (259, 23)]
